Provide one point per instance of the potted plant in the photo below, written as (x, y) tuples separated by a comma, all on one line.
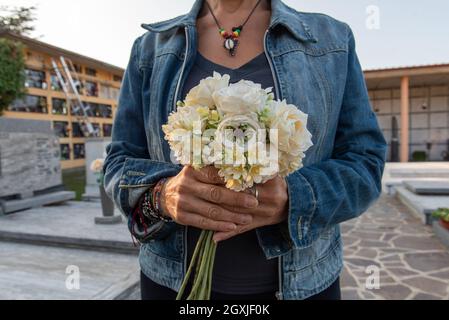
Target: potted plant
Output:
[(107, 204), (443, 215)]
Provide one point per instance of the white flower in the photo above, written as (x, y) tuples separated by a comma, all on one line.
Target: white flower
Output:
[(289, 163), (180, 129), (97, 165), (201, 95), (226, 126), (241, 98), (291, 123), (240, 155)]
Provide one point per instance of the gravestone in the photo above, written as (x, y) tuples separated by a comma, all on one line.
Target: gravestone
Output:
[(95, 149), (30, 166), (428, 187)]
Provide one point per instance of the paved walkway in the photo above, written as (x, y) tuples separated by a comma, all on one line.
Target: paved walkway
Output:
[(412, 262), (38, 245)]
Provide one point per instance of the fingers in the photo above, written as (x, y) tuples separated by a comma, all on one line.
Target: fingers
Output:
[(208, 175), (215, 212), (225, 235), (225, 197), (222, 236), (201, 222)]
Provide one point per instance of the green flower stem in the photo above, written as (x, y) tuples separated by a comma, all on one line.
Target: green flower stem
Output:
[(196, 288), (201, 274), (198, 262), (211, 269), (198, 265), (198, 278), (203, 293), (192, 264)]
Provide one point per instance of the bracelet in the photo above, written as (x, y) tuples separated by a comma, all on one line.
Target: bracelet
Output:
[(156, 195), (151, 204)]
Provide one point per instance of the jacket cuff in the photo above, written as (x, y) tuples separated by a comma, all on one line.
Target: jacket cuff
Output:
[(158, 230), (138, 176), (302, 206)]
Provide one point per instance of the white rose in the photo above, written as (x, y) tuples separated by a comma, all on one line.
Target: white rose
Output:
[(201, 95), (241, 98), (291, 123)]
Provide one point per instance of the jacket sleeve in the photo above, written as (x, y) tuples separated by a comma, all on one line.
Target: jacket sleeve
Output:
[(128, 169), (343, 187)]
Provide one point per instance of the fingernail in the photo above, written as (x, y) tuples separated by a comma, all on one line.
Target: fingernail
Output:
[(251, 203), (232, 227)]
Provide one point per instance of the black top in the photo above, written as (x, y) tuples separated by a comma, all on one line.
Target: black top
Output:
[(240, 264)]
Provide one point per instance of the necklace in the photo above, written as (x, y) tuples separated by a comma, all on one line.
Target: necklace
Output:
[(231, 39)]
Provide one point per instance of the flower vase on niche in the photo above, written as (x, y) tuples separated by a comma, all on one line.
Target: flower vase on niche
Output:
[(107, 204)]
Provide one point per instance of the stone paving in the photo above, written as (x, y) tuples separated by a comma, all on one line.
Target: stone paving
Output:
[(31, 272), (412, 262)]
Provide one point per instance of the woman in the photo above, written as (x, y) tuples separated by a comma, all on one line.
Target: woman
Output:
[(285, 243)]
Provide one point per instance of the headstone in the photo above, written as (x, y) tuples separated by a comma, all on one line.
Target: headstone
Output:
[(95, 149), (422, 206), (29, 158), (428, 187)]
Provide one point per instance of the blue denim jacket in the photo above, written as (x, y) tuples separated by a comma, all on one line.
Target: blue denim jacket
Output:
[(315, 67)]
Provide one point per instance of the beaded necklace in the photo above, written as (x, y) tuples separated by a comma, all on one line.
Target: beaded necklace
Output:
[(231, 39)]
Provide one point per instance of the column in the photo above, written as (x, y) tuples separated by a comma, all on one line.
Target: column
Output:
[(405, 119)]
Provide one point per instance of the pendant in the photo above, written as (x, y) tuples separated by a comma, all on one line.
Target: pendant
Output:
[(231, 45), (231, 39)]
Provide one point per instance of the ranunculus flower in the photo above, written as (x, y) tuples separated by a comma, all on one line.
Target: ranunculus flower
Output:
[(201, 95), (291, 123), (241, 98)]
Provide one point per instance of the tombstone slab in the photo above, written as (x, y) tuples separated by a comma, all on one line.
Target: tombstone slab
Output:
[(429, 187)]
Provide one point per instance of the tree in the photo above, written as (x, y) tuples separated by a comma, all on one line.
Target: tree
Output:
[(17, 19), (12, 77)]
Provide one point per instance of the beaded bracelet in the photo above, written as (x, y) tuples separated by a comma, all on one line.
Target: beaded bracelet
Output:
[(149, 209), (157, 191)]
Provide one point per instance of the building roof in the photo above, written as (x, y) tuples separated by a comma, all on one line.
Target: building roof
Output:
[(419, 75), (52, 50), (414, 67), (409, 70)]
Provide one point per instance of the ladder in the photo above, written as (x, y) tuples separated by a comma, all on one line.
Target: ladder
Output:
[(70, 88)]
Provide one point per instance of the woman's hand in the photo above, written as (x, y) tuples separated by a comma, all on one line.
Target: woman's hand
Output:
[(272, 209), (198, 198)]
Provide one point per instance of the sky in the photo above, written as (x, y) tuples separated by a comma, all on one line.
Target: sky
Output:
[(388, 32)]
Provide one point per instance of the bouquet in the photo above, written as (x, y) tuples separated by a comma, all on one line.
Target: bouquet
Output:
[(246, 134)]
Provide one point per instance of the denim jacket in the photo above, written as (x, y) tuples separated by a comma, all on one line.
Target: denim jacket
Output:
[(315, 67)]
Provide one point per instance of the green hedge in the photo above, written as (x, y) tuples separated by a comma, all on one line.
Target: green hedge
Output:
[(12, 76)]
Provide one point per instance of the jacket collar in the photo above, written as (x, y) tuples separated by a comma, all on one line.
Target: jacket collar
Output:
[(281, 15)]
